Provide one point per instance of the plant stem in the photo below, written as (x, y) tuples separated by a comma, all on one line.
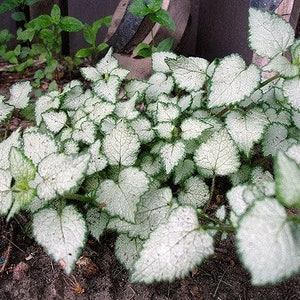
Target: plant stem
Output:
[(268, 80), (226, 109), (205, 216), (226, 228), (81, 198), (223, 111), (6, 129), (212, 189), (218, 225), (152, 37)]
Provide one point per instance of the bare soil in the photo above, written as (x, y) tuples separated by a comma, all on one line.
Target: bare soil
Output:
[(28, 273), (31, 274)]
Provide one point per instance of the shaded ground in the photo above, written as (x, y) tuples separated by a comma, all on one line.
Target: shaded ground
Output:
[(30, 274)]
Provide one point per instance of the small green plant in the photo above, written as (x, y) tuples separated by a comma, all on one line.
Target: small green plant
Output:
[(143, 158), (5, 37), (44, 32), (90, 35), (19, 5), (19, 58), (153, 10), (42, 42)]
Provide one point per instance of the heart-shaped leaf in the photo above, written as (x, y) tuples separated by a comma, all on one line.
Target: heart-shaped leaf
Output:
[(5, 192), (153, 209), (291, 90), (269, 34), (143, 128), (172, 154), (97, 222), (19, 94), (45, 103), (38, 145), (195, 192), (159, 63), (217, 156), (5, 146), (283, 66), (127, 250), (98, 109), (192, 128), (173, 249), (84, 131), (61, 234), (5, 109), (108, 89), (246, 128), (265, 229), (275, 139), (287, 178), (189, 72), (97, 161), (54, 121), (160, 83), (232, 81), (60, 173), (127, 108), (122, 197), (121, 145)]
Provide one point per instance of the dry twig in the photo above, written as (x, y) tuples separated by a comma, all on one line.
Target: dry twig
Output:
[(8, 250)]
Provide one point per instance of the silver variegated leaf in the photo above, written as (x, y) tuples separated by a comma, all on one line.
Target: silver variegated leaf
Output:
[(120, 198), (218, 155), (173, 249), (61, 234), (268, 243), (232, 81), (269, 33)]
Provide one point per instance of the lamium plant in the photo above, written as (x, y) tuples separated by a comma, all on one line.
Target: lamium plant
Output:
[(143, 158)]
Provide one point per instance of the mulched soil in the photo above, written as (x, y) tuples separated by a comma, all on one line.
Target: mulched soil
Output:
[(27, 272), (31, 274)]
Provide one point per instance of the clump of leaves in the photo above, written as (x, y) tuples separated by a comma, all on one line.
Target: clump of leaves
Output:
[(41, 43), (143, 158), (153, 10), (19, 6), (90, 36), (45, 31)]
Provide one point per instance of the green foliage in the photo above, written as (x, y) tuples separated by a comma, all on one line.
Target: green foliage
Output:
[(45, 33), (153, 9), (143, 158), (146, 50), (5, 37), (44, 37), (90, 36), (41, 39), (7, 5)]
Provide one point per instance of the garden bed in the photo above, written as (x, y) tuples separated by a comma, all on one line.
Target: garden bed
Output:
[(166, 226), (31, 274)]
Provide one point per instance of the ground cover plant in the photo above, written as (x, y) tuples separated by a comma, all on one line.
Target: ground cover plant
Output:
[(143, 158)]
